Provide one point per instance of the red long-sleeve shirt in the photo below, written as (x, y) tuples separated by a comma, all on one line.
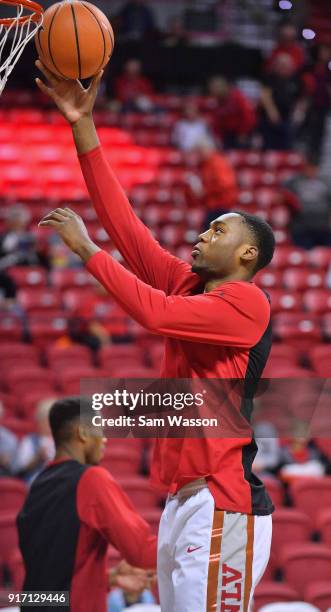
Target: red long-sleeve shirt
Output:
[(220, 334)]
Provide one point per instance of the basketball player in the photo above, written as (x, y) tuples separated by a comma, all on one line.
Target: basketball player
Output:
[(72, 512), (215, 532)]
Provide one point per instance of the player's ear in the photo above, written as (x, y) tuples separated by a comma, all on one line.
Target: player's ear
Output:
[(250, 252), (82, 432)]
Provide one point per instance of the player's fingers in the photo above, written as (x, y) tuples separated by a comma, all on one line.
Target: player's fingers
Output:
[(52, 78), (46, 90), (49, 223), (70, 213), (55, 216), (93, 88)]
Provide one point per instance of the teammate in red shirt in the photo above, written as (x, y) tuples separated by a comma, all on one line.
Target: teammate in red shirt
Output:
[(215, 533)]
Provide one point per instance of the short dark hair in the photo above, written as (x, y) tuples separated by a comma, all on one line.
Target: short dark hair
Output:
[(62, 415), (264, 237)]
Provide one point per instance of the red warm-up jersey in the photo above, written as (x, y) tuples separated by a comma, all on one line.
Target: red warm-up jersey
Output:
[(225, 333)]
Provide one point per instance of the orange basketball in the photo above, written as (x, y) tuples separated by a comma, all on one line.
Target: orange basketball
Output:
[(76, 39)]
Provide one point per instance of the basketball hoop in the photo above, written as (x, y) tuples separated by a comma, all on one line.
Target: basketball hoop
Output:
[(15, 33)]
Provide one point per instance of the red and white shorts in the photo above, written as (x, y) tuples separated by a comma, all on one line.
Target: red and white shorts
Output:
[(209, 560)]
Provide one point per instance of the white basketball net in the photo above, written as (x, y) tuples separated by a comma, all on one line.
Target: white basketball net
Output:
[(13, 40)]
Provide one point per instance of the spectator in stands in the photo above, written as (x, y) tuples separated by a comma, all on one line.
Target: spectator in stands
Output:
[(92, 320), (17, 244), (176, 35), (268, 455), (288, 44), (312, 226), (216, 186), (190, 129), (318, 80), (299, 456), (136, 20), (132, 89), (284, 104), (8, 447), (36, 449), (235, 116), (7, 290)]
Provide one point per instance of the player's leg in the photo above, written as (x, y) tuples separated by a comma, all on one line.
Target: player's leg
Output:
[(165, 563)]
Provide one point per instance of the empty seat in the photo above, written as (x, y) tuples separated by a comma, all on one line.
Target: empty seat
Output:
[(317, 301), (121, 354), (153, 517), (285, 352), (38, 299), (16, 569), (289, 525), (8, 536), (69, 380), (320, 257), (44, 330), (63, 279), (61, 357), (269, 278), (275, 490), (300, 329), (297, 279), (286, 256), (122, 462), (305, 492), (320, 358), (12, 494), (285, 300), (319, 594), (29, 276), (267, 592), (21, 380), (304, 564), (323, 525), (27, 405), (17, 354), (10, 327)]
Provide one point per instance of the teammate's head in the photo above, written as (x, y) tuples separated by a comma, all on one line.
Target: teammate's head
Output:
[(236, 245), (73, 432)]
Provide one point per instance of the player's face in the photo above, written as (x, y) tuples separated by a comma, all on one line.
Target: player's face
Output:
[(221, 248), (95, 449)]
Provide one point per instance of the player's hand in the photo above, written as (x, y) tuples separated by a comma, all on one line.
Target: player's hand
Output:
[(129, 578), (73, 101), (71, 228)]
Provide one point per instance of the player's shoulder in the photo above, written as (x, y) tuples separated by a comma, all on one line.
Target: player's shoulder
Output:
[(96, 474), (242, 288)]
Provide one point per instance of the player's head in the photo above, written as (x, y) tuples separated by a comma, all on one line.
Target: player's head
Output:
[(73, 431), (236, 245)]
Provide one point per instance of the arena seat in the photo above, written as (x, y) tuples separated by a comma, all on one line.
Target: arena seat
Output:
[(319, 594), (25, 276), (317, 301), (16, 569), (44, 330), (17, 353), (269, 279), (285, 352), (320, 257), (303, 564), (140, 492), (267, 592), (326, 325), (305, 492), (116, 354), (19, 427), (134, 372), (153, 517), (284, 300), (288, 525), (8, 535), (301, 329), (323, 525), (63, 357), (10, 327), (8, 402), (75, 297), (296, 279), (69, 379), (36, 299), (122, 462), (70, 278), (287, 256), (320, 358), (27, 405), (12, 494), (21, 380)]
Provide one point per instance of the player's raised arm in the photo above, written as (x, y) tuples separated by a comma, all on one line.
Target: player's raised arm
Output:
[(145, 256)]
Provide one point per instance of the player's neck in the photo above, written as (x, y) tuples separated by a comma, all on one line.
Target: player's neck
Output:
[(73, 452), (212, 283)]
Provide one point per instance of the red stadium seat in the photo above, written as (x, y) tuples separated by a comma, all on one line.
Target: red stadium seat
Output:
[(286, 256), (9, 403), (17, 353), (8, 536), (317, 301), (27, 405), (269, 279), (140, 492), (305, 491), (12, 494), (63, 357), (285, 353), (268, 592), (38, 299), (326, 325), (152, 517), (319, 594), (299, 329), (64, 279), (47, 329), (122, 462), (134, 372), (320, 257), (117, 355), (320, 359), (284, 300), (10, 327), (20, 427), (323, 524), (29, 276), (301, 279), (69, 379), (288, 525), (19, 380), (304, 564)]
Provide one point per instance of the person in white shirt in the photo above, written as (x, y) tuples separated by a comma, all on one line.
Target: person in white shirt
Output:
[(191, 129)]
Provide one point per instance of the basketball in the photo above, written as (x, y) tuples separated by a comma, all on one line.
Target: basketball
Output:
[(76, 40)]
